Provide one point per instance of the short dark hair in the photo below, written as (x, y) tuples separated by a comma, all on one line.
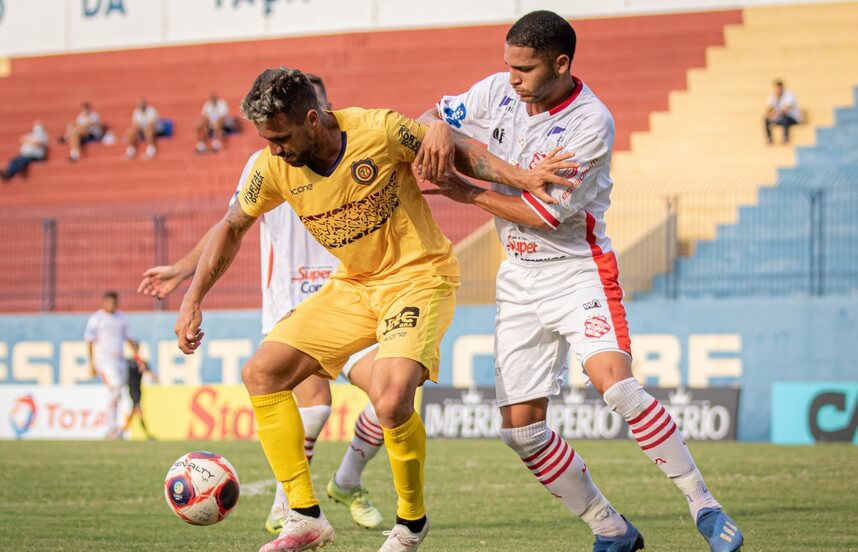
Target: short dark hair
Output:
[(280, 90), (546, 32), (110, 295), (779, 82)]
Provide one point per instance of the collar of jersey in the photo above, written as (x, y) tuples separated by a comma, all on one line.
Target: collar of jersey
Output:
[(330, 171), (565, 103)]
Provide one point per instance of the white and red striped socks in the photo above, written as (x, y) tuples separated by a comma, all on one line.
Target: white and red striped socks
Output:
[(655, 431), (368, 439), (563, 474)]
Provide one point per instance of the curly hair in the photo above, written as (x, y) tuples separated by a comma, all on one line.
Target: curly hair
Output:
[(546, 32), (280, 90)]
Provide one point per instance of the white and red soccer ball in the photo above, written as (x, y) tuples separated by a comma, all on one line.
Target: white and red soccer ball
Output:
[(201, 488)]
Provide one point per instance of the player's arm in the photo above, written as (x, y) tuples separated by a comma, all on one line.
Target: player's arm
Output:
[(90, 354), (89, 335), (218, 254), (444, 148), (160, 281), (505, 206)]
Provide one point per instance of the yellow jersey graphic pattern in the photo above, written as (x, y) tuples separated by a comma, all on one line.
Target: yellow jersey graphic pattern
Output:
[(367, 210)]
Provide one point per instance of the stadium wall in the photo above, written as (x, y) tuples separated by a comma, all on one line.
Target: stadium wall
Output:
[(749, 343), (55, 26)]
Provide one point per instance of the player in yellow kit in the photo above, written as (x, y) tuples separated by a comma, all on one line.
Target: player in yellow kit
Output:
[(347, 175)]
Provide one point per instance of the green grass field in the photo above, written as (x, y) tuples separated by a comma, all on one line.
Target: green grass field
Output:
[(108, 496)]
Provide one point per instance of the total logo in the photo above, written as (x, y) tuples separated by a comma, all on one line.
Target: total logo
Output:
[(310, 278), (22, 415)]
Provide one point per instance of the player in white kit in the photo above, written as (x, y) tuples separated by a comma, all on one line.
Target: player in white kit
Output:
[(106, 333), (559, 285), (294, 266)]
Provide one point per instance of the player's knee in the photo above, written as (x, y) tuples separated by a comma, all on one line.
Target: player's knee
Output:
[(391, 410), (607, 368), (627, 398)]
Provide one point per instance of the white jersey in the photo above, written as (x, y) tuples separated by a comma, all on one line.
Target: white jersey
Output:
[(109, 333), (294, 264), (786, 102), (491, 113), (214, 111)]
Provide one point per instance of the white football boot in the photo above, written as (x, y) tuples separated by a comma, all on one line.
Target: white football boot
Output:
[(301, 533), (401, 539)]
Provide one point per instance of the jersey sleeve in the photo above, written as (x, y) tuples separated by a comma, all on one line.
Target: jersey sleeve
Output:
[(126, 330), (592, 154), (90, 334), (472, 112), (259, 193), (404, 136), (245, 173)]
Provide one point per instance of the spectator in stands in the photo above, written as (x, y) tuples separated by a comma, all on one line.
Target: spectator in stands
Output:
[(87, 127), (782, 111), (215, 124), (145, 126), (34, 147)]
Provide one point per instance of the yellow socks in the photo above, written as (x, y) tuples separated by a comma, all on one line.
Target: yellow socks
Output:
[(281, 431), (406, 448)]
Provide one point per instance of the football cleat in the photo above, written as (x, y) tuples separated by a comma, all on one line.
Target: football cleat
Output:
[(358, 502), (629, 541), (721, 532), (275, 520), (301, 533), (401, 539)]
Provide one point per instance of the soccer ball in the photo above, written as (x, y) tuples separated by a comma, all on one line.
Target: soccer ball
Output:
[(201, 488)]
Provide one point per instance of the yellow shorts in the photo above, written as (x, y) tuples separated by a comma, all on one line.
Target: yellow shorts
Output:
[(407, 320)]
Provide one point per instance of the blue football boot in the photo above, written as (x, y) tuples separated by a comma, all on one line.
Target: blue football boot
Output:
[(629, 541), (721, 532)]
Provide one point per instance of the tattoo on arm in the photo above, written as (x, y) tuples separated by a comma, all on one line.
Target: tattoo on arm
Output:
[(219, 268), (474, 162)]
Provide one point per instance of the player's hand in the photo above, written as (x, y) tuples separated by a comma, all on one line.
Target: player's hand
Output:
[(159, 281), (93, 372), (141, 365), (187, 327), (435, 158), (537, 180)]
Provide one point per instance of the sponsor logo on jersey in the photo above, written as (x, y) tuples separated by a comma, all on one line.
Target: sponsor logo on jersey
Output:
[(407, 318), (596, 326), (594, 304), (556, 130), (308, 187), (365, 170), (310, 278), (537, 158), (505, 101), (454, 117), (578, 174), (498, 134), (251, 194), (519, 246), (408, 139)]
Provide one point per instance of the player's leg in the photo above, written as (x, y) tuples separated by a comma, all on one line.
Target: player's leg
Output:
[(202, 128), (346, 486), (112, 373), (314, 404), (529, 364), (598, 331), (409, 334)]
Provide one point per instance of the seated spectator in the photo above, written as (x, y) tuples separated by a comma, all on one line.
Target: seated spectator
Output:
[(145, 126), (782, 111), (216, 123), (87, 127), (34, 147)]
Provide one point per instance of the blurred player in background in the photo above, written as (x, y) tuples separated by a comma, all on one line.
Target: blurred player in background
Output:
[(106, 333), (215, 123), (136, 371), (559, 284), (294, 266)]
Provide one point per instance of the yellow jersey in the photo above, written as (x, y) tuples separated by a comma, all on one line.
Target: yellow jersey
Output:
[(368, 210)]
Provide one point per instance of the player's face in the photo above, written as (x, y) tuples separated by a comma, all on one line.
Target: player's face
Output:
[(291, 142), (109, 304), (532, 76)]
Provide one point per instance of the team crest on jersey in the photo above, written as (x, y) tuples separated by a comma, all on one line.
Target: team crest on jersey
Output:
[(454, 117), (407, 318), (364, 171), (596, 326)]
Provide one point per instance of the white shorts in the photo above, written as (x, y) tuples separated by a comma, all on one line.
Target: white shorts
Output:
[(543, 311), (113, 372), (350, 363)]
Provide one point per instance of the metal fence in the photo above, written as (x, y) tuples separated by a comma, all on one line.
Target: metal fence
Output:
[(780, 241)]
